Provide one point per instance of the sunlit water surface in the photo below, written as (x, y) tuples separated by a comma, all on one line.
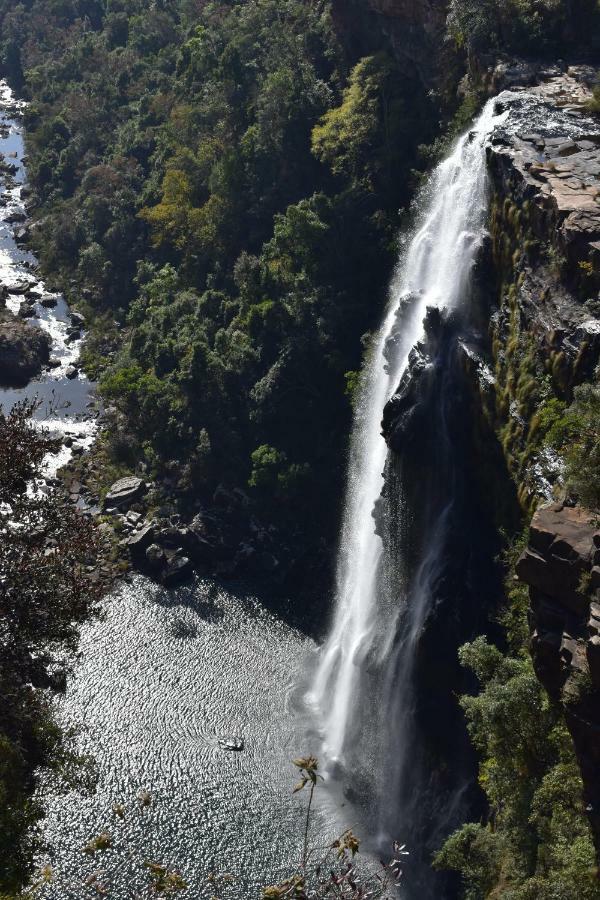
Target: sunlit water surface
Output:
[(161, 680)]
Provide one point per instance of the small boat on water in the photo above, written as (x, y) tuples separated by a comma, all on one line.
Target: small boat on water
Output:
[(233, 744)]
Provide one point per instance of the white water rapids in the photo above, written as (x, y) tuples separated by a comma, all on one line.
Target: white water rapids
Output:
[(434, 271)]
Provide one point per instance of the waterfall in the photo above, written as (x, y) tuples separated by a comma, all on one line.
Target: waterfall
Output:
[(434, 270)]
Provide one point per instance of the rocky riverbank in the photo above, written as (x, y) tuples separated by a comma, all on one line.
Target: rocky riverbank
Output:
[(24, 350), (224, 540)]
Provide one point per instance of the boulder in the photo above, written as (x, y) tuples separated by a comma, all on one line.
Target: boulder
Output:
[(24, 350), (178, 570), (203, 552), (155, 558), (49, 302), (124, 492), (15, 217), (71, 372), (141, 540), (559, 553)]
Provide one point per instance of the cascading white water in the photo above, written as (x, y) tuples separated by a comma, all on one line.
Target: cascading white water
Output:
[(434, 271)]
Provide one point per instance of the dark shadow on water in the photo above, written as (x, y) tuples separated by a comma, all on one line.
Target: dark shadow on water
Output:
[(203, 597)]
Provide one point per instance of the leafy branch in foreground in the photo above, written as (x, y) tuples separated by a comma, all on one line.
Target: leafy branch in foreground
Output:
[(335, 873), (49, 585)]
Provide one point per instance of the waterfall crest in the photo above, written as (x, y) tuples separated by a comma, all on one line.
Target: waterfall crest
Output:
[(434, 271)]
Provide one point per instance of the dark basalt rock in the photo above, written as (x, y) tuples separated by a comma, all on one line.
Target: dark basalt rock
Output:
[(141, 540), (155, 558), (405, 416), (560, 567)]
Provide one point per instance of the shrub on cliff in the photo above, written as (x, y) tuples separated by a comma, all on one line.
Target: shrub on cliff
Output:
[(536, 841), (582, 445), (574, 432), (531, 27)]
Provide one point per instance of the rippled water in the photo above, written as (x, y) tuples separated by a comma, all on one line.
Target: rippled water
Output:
[(162, 678)]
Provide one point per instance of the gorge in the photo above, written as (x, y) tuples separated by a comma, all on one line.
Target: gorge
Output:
[(346, 271)]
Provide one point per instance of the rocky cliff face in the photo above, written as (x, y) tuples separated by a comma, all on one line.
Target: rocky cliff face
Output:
[(561, 565), (545, 249), (530, 337), (544, 267), (413, 28)]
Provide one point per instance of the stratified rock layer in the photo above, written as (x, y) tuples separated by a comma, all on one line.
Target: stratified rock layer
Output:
[(561, 567)]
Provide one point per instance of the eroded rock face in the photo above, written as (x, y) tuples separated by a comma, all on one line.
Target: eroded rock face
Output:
[(544, 167), (415, 29), (558, 173), (560, 565)]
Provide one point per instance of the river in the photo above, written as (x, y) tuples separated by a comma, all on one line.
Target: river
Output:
[(161, 679)]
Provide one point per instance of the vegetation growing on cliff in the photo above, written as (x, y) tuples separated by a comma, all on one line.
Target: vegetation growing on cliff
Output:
[(536, 841), (531, 27), (574, 431)]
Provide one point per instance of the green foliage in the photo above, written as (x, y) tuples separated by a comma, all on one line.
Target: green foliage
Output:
[(581, 449), (45, 593), (524, 26), (575, 432), (273, 476), (537, 842), (349, 135), (221, 182)]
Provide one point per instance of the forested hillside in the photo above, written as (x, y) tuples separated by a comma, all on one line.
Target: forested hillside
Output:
[(219, 188)]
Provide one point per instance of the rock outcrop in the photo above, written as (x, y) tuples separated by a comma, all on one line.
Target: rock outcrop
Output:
[(557, 173), (124, 492), (561, 566), (24, 350), (544, 261)]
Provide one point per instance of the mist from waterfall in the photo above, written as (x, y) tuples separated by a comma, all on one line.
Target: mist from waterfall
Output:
[(435, 270)]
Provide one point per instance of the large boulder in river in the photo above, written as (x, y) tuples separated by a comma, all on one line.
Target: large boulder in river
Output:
[(141, 540), (178, 570), (24, 349), (124, 492)]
